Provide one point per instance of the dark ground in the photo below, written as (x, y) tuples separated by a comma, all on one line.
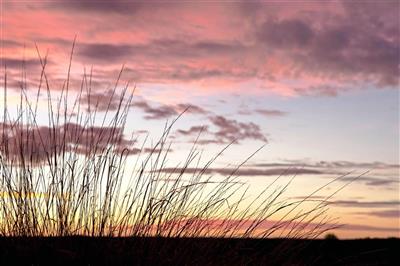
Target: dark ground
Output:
[(199, 251)]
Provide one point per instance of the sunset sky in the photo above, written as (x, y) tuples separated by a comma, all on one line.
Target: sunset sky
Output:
[(316, 81)]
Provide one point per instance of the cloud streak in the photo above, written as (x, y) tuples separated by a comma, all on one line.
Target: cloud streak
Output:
[(391, 214), (155, 113), (370, 178), (164, 111), (332, 164), (244, 171), (271, 112), (366, 204), (105, 52)]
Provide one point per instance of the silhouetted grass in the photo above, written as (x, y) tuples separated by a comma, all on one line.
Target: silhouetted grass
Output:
[(79, 176)]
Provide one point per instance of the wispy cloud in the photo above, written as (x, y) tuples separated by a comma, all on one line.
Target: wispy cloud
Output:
[(366, 204), (164, 111), (244, 171), (160, 112), (280, 226), (391, 213), (190, 108), (360, 227), (332, 164), (271, 112), (374, 181), (192, 131), (369, 177)]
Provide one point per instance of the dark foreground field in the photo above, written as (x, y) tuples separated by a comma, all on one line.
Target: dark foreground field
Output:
[(200, 251)]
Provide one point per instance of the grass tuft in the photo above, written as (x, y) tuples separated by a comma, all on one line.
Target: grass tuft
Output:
[(79, 175)]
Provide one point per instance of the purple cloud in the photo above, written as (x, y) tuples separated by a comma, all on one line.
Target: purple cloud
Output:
[(244, 171), (104, 100), (271, 112), (227, 131), (230, 130), (37, 144), (392, 213), (161, 112), (194, 130), (164, 111), (366, 204), (286, 33), (104, 52)]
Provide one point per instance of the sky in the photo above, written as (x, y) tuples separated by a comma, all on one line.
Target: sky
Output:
[(316, 82)]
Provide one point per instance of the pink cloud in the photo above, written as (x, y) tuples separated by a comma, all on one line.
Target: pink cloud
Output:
[(321, 49)]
